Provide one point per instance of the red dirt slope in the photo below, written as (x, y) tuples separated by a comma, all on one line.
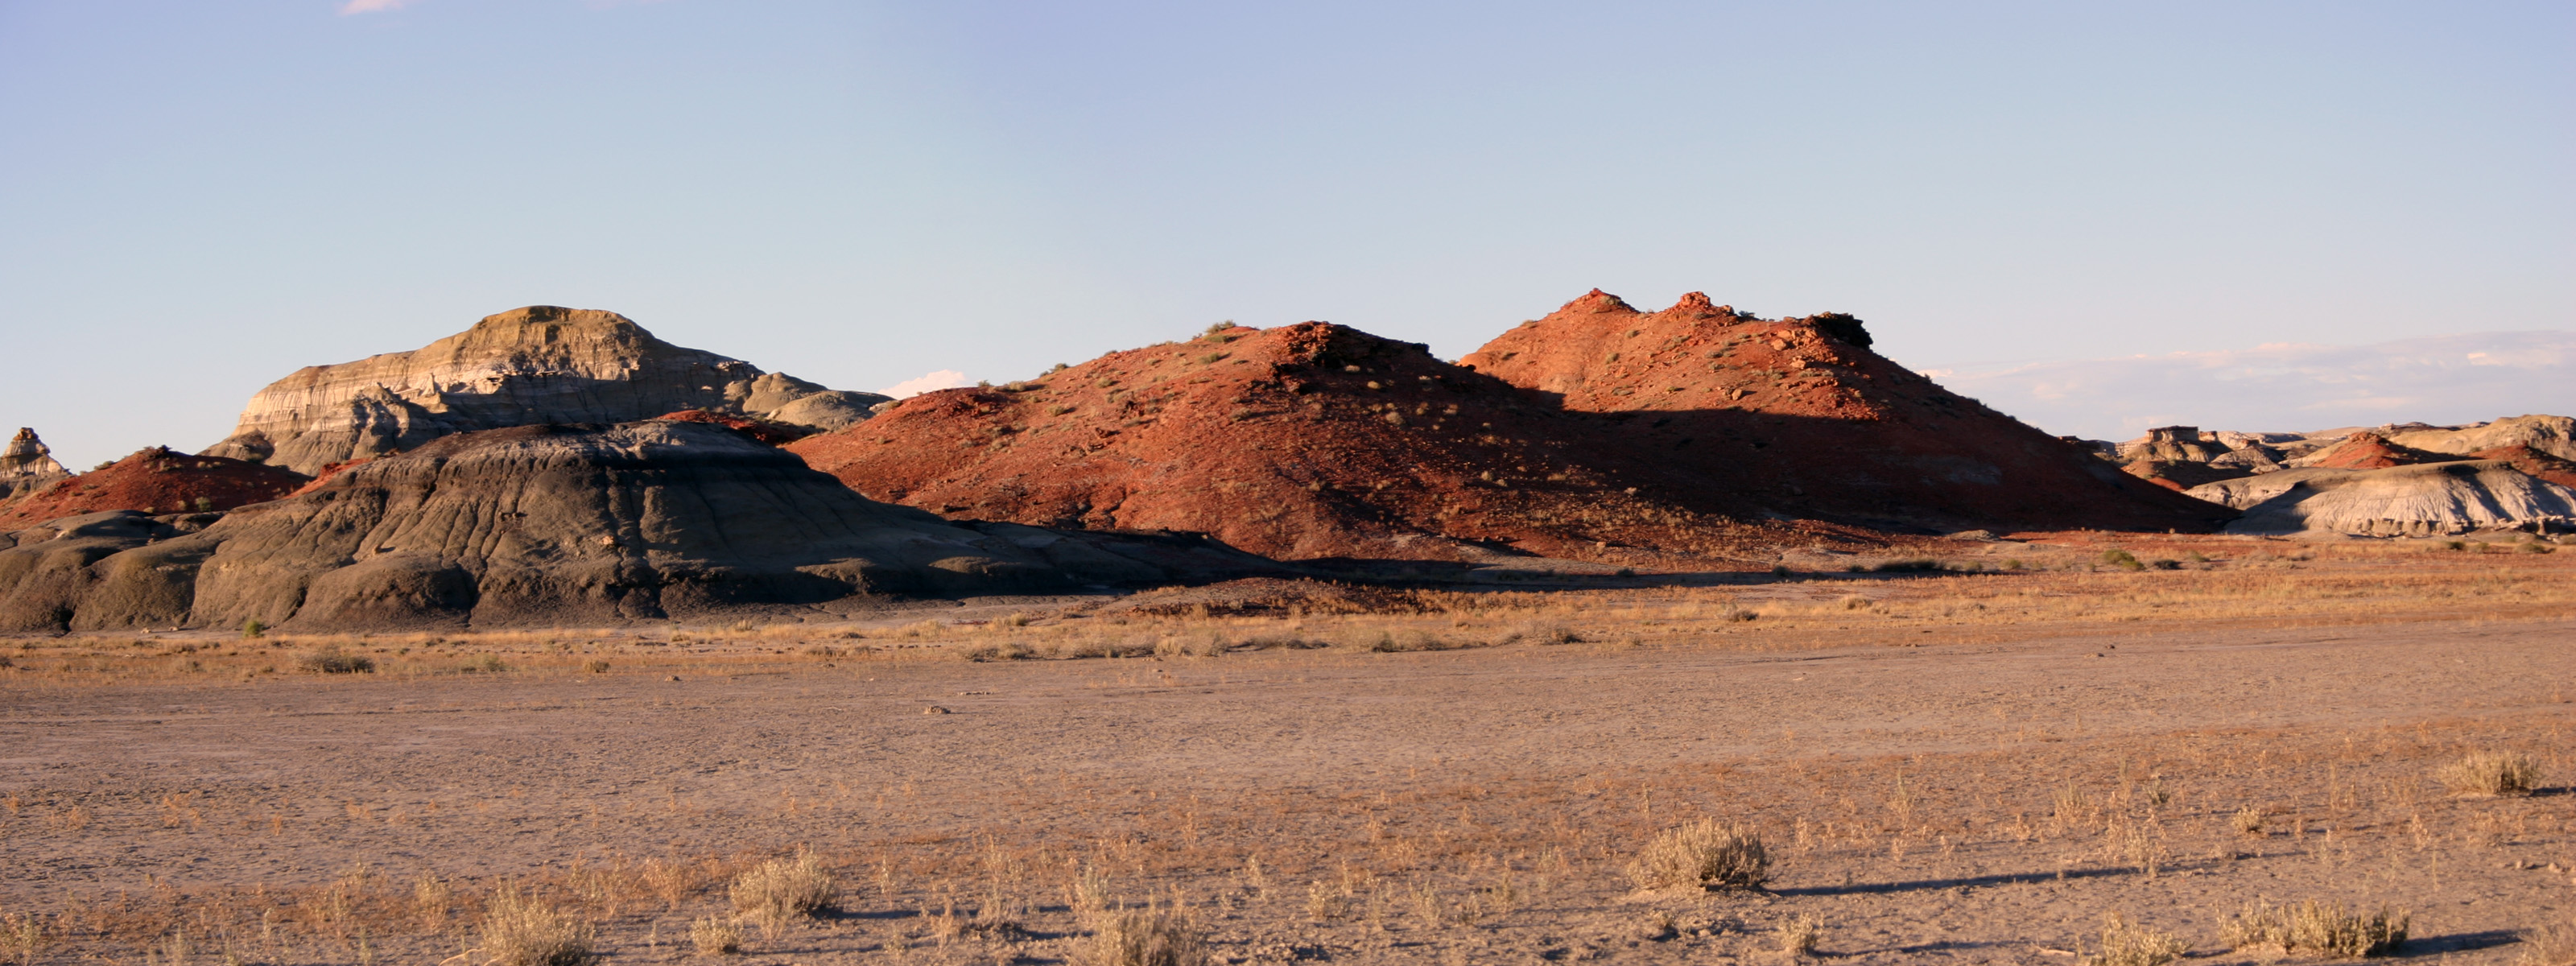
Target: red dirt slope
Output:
[(756, 429), (156, 480), (1801, 417), (1299, 442), (2370, 451)]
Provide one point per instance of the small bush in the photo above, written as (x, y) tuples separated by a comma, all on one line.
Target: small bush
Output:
[(715, 936), (780, 891), (1706, 854), (2491, 773), (520, 929), (2122, 559), (1146, 938), (2128, 944), (2248, 821), (1798, 935), (2326, 929), (595, 666), (2553, 945), (253, 628), (333, 660), (1907, 566), (488, 664)]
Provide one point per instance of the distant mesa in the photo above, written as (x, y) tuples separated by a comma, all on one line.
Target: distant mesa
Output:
[(531, 366), (157, 480), (549, 525)]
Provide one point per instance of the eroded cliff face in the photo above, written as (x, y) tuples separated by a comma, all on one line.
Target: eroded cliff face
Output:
[(535, 365)]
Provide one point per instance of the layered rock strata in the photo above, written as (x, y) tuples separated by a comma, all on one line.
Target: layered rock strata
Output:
[(530, 366), (549, 525), (26, 466)]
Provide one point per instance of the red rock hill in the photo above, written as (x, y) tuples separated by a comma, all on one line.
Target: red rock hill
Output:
[(156, 480), (1799, 416), (1298, 442)]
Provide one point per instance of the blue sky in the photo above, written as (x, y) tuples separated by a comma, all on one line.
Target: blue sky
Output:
[(197, 198)]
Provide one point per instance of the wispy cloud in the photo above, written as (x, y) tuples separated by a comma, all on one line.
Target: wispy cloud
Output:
[(942, 379), (372, 6), (2287, 387)]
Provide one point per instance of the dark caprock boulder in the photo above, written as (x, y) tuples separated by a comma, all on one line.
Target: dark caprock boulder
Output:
[(549, 525)]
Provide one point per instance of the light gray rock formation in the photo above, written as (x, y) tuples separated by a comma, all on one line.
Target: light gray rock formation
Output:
[(2418, 500), (529, 366), (555, 526), (27, 466), (2554, 435)]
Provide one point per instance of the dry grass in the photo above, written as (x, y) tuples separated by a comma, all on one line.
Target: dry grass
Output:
[(2125, 943), (1706, 854), (715, 936), (2314, 928), (2491, 773), (1150, 937), (1797, 935), (781, 891), (521, 929), (2551, 945)]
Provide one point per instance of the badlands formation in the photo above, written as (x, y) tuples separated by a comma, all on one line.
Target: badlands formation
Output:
[(547, 524), (2412, 480), (539, 364), (556, 465), (1597, 431)]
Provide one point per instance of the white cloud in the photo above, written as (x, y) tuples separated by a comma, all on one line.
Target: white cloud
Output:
[(2288, 387), (942, 379), (371, 6)]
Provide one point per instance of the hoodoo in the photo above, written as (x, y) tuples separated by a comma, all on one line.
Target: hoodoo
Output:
[(1299, 442), (546, 525), (531, 366), (26, 466), (1799, 417)]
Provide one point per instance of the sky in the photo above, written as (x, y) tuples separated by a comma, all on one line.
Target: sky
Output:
[(198, 198)]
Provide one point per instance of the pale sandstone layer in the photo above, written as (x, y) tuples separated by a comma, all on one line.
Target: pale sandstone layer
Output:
[(27, 466), (2412, 500), (528, 366)]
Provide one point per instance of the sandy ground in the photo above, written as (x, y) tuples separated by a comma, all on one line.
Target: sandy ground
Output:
[(1927, 797)]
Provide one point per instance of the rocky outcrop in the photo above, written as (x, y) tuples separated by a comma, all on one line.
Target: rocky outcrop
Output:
[(530, 366), (2421, 499), (26, 466), (2553, 435), (1798, 417), (549, 525), (1298, 442), (156, 480), (2365, 450)]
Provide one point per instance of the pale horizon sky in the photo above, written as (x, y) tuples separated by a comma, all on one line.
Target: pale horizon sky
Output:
[(196, 199)]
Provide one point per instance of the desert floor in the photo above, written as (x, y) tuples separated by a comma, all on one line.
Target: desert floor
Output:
[(1946, 767)]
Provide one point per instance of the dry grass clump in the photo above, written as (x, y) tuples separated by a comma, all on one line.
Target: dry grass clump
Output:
[(2321, 928), (2491, 773), (1799, 934), (2553, 945), (330, 659), (780, 891), (1149, 937), (23, 936), (715, 936), (2248, 821), (520, 929), (1706, 854), (2125, 943)]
